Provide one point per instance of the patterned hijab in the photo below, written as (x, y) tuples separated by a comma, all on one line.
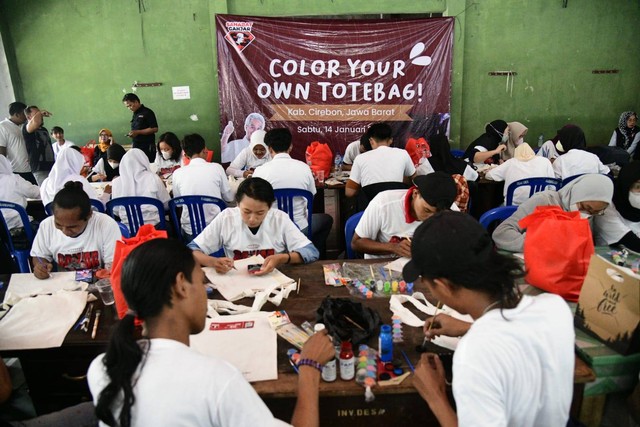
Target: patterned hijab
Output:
[(103, 145), (629, 133)]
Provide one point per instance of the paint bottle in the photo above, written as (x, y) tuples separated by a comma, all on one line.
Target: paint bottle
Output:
[(385, 344), (329, 370), (347, 362)]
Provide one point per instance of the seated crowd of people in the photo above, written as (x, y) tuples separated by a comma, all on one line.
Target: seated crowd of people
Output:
[(413, 205)]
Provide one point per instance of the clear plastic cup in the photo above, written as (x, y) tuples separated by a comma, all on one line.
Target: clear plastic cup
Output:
[(105, 291)]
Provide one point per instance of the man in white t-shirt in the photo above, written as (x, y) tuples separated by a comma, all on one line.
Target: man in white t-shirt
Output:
[(388, 223), (354, 149), (12, 144), (74, 237), (60, 142), (383, 164), (229, 150), (284, 172), (199, 178)]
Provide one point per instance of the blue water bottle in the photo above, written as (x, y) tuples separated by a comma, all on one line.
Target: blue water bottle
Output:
[(385, 344)]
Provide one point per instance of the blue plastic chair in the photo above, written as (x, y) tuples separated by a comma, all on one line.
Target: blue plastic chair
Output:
[(195, 206), (457, 153), (496, 214), (124, 231), (133, 209), (96, 205), (285, 196), (349, 231), (19, 256), (535, 185)]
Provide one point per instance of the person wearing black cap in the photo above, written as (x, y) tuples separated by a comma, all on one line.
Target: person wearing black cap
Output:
[(389, 221), (514, 365)]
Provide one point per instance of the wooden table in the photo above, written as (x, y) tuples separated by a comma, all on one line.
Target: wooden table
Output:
[(56, 377)]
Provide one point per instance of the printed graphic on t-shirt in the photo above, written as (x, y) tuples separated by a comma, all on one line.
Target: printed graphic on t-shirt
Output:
[(246, 254), (79, 261)]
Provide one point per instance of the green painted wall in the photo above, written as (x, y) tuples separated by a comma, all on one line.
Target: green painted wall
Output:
[(76, 58)]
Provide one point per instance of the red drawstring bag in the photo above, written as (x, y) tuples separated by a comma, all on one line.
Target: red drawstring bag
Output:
[(417, 148), (123, 249), (557, 249), (209, 159), (319, 157), (87, 152)]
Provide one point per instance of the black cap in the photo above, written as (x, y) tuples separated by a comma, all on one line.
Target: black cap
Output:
[(437, 188), (447, 245)]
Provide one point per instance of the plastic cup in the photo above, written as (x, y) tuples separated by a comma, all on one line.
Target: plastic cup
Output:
[(320, 177), (105, 291)]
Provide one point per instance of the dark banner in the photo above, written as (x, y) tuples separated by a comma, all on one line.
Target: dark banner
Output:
[(328, 80)]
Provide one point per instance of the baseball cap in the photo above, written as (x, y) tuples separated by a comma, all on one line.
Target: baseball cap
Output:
[(447, 245), (437, 188)]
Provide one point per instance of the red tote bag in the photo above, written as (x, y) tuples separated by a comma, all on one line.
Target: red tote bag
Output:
[(557, 249), (123, 249), (319, 157)]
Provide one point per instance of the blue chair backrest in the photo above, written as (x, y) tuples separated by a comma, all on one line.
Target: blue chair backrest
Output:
[(133, 209), (285, 196), (124, 231), (195, 206), (19, 256), (349, 231), (457, 153), (535, 185), (96, 205), (496, 214)]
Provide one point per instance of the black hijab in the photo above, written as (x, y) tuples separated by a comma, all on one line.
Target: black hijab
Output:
[(571, 137), (489, 139), (629, 174), (441, 158)]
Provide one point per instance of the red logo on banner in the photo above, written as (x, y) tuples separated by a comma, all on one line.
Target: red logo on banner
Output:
[(239, 34), (231, 325)]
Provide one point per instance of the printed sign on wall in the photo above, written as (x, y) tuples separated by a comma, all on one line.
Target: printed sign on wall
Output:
[(328, 80)]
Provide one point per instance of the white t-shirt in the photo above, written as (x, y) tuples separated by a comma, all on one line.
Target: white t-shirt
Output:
[(177, 386), (232, 149), (385, 219), (57, 147), (548, 150), (518, 371), (200, 178), (277, 234), (513, 170), (351, 152), (388, 217), (166, 167), (284, 172), (576, 162), (92, 249), (11, 138), (244, 161), (611, 227), (15, 189), (384, 164)]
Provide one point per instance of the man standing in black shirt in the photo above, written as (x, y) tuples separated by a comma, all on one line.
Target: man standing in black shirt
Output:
[(143, 126)]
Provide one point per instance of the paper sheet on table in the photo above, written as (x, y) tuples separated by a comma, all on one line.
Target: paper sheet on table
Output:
[(23, 285), (239, 283), (244, 340), (42, 321), (397, 264)]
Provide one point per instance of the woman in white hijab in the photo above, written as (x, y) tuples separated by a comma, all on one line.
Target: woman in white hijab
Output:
[(254, 155), (14, 189), (590, 194), (524, 165), (67, 167), (137, 180)]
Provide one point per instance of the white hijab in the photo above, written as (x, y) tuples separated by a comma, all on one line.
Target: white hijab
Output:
[(257, 138), (590, 187), (67, 167), (136, 177)]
